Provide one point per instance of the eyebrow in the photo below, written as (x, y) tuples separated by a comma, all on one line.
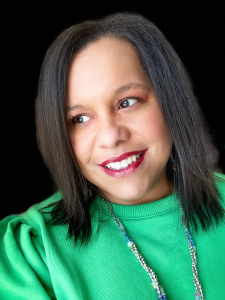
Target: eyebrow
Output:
[(116, 92), (131, 85), (74, 107)]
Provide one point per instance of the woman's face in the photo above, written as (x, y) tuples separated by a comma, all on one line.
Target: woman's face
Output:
[(113, 116)]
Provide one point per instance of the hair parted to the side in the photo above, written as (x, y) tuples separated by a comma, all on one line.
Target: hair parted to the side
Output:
[(193, 178)]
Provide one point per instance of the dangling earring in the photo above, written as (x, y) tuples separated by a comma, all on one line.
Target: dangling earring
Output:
[(173, 162)]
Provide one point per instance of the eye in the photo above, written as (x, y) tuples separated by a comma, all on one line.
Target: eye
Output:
[(80, 119), (127, 103)]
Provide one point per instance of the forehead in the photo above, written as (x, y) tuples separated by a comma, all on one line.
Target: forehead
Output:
[(104, 66)]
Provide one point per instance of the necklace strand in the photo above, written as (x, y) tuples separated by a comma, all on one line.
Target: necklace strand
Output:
[(155, 283)]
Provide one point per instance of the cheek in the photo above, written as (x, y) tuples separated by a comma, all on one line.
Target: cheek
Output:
[(81, 148), (152, 126)]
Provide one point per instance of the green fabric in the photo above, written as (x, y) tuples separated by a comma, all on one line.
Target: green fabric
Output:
[(38, 262)]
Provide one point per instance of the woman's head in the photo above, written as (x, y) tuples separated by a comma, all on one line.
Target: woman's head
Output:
[(156, 63), (112, 113), (89, 70)]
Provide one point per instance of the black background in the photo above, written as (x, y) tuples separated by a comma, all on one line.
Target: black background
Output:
[(194, 28)]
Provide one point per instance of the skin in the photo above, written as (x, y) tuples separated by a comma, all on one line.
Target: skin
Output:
[(108, 130)]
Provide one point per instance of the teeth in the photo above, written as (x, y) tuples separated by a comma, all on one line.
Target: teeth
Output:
[(124, 163), (117, 165), (129, 160)]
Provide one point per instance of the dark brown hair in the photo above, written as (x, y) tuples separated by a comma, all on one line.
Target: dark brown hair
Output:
[(193, 178)]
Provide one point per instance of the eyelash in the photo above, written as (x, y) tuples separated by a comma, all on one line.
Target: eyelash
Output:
[(73, 119)]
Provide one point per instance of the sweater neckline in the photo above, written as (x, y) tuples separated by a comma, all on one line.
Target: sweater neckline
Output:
[(145, 210)]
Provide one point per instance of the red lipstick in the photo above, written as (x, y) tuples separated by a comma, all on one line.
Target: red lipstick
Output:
[(126, 171), (120, 158)]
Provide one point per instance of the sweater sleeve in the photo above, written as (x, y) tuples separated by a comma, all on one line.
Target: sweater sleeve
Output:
[(24, 274)]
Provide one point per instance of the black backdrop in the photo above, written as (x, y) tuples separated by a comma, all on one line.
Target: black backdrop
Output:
[(195, 29)]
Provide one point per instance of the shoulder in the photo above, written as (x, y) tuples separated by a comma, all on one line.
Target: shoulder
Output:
[(34, 213), (50, 200), (33, 210), (30, 222), (22, 247)]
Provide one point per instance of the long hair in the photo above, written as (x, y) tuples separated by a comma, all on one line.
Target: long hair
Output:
[(193, 179)]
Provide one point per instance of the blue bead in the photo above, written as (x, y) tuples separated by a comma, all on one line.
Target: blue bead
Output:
[(189, 234), (124, 232), (127, 239)]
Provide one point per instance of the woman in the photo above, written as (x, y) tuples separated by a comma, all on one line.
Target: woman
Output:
[(120, 129)]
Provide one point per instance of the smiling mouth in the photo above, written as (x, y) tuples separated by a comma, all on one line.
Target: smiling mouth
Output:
[(120, 165)]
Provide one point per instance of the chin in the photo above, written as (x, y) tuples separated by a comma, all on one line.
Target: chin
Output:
[(129, 193)]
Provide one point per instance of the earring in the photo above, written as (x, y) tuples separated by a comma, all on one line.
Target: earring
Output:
[(173, 162)]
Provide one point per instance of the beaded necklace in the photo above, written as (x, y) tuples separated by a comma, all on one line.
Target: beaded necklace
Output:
[(155, 283)]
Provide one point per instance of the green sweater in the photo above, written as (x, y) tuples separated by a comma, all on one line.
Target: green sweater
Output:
[(37, 262)]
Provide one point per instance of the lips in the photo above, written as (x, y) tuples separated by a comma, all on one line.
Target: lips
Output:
[(125, 171), (121, 157)]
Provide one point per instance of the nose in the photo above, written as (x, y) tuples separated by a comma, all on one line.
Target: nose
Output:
[(111, 133)]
